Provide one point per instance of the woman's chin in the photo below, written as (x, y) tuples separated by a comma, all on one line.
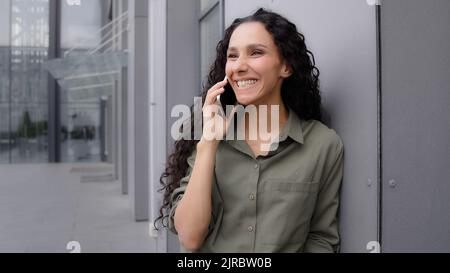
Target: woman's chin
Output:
[(245, 101)]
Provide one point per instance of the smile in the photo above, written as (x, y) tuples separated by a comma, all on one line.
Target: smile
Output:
[(246, 84)]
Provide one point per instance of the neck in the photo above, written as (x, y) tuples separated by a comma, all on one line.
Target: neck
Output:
[(266, 118)]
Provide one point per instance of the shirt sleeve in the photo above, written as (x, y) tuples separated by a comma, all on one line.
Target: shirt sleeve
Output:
[(178, 193), (324, 235)]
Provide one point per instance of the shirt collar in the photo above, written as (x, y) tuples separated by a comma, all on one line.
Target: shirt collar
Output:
[(293, 128)]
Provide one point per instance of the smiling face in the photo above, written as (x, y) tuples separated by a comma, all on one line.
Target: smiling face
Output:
[(254, 67)]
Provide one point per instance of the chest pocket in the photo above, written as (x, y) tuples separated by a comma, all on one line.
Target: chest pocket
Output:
[(286, 208)]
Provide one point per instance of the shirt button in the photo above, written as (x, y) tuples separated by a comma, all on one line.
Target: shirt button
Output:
[(256, 166), (251, 197), (250, 229)]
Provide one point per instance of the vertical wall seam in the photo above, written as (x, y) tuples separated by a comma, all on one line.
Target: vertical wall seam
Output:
[(379, 126), (10, 85)]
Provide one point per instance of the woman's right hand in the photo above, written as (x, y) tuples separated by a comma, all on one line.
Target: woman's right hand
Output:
[(215, 123)]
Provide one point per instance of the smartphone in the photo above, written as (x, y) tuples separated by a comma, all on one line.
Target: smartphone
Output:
[(227, 97)]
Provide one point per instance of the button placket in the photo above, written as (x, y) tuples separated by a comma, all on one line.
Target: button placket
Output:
[(252, 205)]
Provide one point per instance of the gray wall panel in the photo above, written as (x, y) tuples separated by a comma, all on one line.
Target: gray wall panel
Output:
[(138, 118), (416, 125), (183, 66)]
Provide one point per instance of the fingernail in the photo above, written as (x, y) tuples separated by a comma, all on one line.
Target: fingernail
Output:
[(225, 78)]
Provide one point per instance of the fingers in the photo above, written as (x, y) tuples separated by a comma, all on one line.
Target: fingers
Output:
[(216, 125), (213, 94), (211, 97), (219, 84), (210, 110)]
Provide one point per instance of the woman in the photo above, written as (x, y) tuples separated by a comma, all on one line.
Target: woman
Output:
[(229, 195)]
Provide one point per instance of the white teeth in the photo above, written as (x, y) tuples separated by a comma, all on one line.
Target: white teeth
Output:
[(244, 84)]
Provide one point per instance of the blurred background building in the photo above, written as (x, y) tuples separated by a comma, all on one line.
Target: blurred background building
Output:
[(87, 88)]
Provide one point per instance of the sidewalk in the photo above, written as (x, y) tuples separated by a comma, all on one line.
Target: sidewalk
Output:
[(45, 206)]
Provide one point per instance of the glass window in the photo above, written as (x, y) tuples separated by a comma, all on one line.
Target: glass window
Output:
[(28, 82), (92, 58), (80, 24), (5, 49), (5, 28), (83, 30), (210, 35), (80, 132), (4, 133), (5, 9), (29, 125)]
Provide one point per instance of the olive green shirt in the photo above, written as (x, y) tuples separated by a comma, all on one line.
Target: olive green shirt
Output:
[(286, 201)]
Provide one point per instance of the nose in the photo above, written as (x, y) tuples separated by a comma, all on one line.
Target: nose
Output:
[(239, 65)]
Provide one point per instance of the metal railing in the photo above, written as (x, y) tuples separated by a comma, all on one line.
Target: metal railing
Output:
[(114, 30)]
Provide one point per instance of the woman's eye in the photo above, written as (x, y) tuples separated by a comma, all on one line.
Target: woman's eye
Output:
[(253, 53)]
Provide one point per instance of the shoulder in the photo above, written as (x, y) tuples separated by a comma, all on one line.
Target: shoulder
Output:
[(328, 146), (318, 134)]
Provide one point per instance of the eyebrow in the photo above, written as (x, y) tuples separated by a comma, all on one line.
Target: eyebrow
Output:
[(249, 46)]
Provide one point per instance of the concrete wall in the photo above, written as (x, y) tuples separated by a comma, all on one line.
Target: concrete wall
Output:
[(183, 65), (415, 38), (138, 110)]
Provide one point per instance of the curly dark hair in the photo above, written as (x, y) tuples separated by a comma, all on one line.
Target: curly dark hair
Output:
[(300, 91)]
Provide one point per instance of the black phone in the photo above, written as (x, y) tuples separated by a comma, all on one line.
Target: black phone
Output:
[(228, 97)]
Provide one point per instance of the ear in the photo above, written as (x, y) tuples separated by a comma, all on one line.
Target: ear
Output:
[(286, 70)]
